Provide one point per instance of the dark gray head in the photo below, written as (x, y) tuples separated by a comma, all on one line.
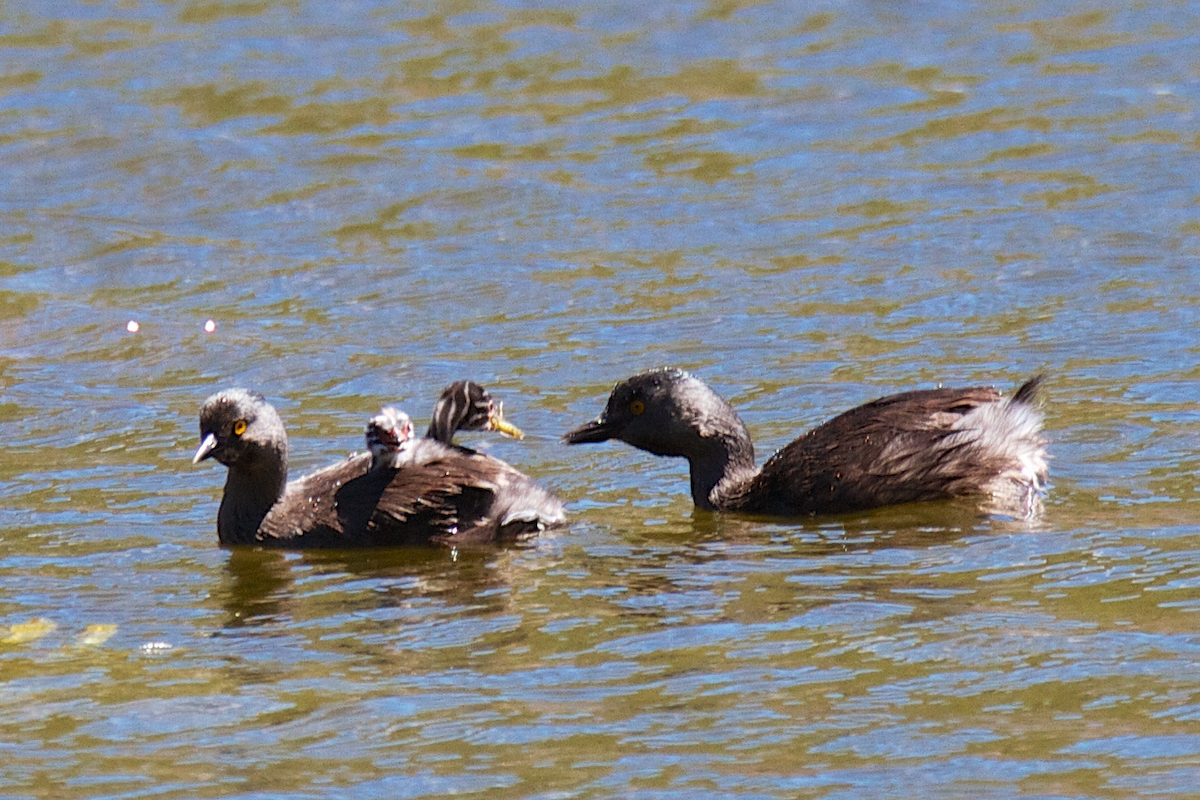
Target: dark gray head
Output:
[(467, 406), (667, 412), (235, 425), (387, 432)]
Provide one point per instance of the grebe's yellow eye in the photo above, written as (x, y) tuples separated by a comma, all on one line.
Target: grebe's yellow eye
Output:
[(239, 427), (637, 407)]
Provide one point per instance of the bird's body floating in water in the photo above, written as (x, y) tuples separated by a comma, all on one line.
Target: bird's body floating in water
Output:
[(439, 493), (922, 445)]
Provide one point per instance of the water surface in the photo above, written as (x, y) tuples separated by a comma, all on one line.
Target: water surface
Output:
[(810, 207)]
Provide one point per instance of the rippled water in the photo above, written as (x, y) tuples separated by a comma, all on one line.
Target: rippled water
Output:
[(808, 205)]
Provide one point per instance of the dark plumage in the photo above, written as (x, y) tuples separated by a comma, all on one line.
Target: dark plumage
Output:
[(921, 445), (448, 495)]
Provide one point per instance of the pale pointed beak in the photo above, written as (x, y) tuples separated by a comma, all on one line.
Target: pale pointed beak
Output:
[(497, 422), (206, 448)]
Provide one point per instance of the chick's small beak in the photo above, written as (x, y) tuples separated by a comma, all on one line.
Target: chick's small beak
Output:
[(206, 448), (383, 435), (598, 430), (497, 422)]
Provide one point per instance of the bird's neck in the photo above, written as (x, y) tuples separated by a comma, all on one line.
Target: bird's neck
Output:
[(451, 411), (722, 463), (441, 431), (254, 484)]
